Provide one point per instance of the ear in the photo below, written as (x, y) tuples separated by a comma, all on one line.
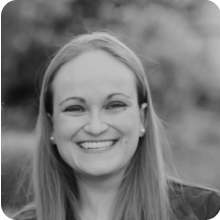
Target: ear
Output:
[(142, 112)]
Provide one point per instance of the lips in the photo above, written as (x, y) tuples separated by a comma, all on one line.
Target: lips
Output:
[(97, 144)]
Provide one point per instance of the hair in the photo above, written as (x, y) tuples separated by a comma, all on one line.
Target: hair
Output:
[(144, 190)]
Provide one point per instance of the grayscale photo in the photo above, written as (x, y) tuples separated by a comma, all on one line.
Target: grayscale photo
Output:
[(110, 110)]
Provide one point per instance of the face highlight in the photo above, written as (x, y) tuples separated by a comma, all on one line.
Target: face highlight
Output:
[(96, 117)]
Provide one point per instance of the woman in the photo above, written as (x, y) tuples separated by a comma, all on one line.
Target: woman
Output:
[(100, 153)]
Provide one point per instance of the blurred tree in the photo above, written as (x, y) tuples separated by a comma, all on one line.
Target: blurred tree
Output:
[(31, 32), (177, 34)]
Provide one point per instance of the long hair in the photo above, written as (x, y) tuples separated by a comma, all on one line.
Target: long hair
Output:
[(143, 193)]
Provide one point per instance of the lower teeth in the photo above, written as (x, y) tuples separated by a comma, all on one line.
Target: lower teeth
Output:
[(98, 147)]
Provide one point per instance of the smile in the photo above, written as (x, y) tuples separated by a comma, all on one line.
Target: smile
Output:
[(97, 144)]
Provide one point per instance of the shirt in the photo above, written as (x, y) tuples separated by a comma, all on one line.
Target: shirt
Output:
[(187, 203), (191, 203)]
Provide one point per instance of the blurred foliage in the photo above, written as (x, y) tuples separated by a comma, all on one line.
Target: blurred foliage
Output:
[(182, 36), (177, 41)]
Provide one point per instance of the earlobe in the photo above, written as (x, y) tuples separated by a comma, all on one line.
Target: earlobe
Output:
[(143, 106), (52, 140), (142, 132)]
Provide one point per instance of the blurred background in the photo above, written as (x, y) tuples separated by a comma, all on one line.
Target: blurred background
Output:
[(178, 42)]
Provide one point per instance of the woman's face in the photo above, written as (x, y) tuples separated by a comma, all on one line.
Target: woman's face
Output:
[(96, 117)]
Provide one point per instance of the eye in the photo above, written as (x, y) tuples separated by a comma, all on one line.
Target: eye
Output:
[(74, 108), (116, 105)]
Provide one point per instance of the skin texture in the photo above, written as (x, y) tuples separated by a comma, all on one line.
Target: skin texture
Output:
[(95, 98)]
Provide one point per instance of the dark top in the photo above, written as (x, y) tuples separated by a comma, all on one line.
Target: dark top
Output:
[(188, 203), (192, 203)]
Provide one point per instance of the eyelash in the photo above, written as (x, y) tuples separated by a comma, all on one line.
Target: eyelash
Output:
[(73, 108), (116, 105), (111, 106)]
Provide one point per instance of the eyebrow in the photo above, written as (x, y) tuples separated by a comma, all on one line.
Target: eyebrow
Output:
[(84, 101)]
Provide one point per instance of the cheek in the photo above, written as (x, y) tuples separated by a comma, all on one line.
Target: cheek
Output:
[(64, 131), (66, 127), (128, 124)]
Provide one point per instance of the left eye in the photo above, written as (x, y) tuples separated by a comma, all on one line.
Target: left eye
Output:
[(75, 108), (116, 105)]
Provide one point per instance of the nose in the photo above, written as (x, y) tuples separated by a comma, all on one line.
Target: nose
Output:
[(95, 126)]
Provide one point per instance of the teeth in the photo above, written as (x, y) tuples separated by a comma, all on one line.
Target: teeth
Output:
[(95, 145)]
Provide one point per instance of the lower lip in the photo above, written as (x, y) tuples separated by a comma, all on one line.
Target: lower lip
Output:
[(98, 150)]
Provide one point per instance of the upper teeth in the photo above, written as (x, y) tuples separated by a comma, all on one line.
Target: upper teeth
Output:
[(96, 144)]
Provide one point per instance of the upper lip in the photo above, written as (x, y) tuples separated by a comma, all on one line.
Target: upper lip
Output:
[(80, 142)]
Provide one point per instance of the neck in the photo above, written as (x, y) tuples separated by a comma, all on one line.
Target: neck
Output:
[(98, 195)]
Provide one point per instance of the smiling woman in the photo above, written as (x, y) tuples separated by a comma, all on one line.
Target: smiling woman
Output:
[(97, 132), (100, 154)]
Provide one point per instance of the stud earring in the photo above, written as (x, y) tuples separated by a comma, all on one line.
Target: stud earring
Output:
[(142, 131), (52, 140)]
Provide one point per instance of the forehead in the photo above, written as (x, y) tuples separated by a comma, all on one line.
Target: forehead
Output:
[(96, 70)]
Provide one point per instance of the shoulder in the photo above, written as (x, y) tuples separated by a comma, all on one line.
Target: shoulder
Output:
[(192, 202)]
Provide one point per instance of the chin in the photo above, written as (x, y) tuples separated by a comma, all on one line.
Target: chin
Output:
[(100, 170)]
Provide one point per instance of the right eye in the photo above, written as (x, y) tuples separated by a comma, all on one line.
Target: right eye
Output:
[(74, 108)]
